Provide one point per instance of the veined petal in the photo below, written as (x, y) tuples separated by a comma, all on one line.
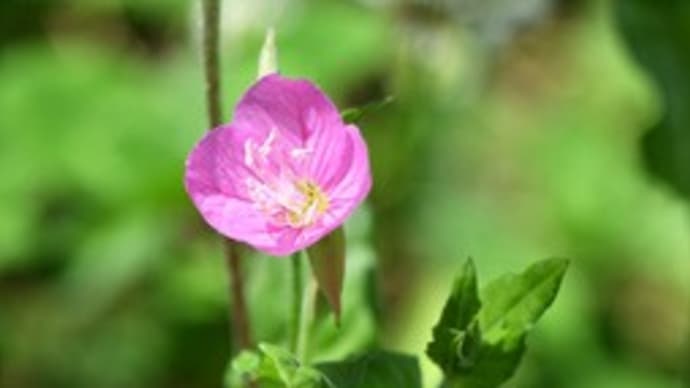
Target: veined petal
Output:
[(282, 103), (331, 151), (213, 167), (236, 219), (353, 179)]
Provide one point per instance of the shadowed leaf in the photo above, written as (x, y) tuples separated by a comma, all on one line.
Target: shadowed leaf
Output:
[(657, 33), (327, 258), (376, 369)]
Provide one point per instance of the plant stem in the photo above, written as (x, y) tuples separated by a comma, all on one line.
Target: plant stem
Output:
[(211, 26), (296, 300), (306, 317), (238, 314)]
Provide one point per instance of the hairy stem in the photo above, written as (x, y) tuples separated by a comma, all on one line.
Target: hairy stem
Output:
[(238, 314)]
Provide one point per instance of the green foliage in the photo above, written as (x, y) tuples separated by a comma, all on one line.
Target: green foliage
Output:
[(657, 33), (513, 303), (480, 344), (272, 366), (376, 369)]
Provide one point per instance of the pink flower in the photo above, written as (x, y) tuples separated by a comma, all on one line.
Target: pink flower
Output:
[(284, 173)]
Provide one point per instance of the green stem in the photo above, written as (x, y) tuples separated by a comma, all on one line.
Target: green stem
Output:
[(306, 317), (238, 314), (296, 300)]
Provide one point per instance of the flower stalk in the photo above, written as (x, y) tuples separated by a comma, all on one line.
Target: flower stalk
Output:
[(297, 286), (305, 319), (239, 317)]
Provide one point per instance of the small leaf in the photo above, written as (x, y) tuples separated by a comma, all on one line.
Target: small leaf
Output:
[(327, 259), (272, 366), (514, 303), (284, 363), (454, 343), (268, 59), (377, 369), (353, 115), (243, 369)]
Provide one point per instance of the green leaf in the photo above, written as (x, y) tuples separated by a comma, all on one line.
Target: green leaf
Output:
[(514, 303), (657, 34), (327, 259), (353, 115), (480, 344), (494, 365), (377, 369), (454, 342), (272, 367)]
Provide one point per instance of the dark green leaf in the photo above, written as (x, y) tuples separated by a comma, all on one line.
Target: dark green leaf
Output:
[(495, 364), (657, 33), (454, 342), (376, 369), (327, 259)]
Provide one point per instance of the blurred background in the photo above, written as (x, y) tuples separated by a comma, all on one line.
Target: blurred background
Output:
[(519, 130)]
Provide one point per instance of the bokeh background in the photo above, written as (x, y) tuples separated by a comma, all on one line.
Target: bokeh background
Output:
[(519, 130)]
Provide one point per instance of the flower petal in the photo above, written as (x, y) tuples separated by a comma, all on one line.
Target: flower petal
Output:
[(213, 180), (282, 103), (214, 168), (353, 181), (332, 151)]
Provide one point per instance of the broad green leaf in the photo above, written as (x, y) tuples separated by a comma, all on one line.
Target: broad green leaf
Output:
[(455, 341), (657, 33), (512, 304), (377, 369), (327, 259), (272, 366)]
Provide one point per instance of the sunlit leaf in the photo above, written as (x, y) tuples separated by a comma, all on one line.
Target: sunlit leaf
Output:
[(512, 304), (271, 366)]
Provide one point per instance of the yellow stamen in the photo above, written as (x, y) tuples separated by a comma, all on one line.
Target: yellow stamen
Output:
[(315, 203)]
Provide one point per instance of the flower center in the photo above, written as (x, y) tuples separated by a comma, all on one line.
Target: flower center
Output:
[(313, 204), (276, 186)]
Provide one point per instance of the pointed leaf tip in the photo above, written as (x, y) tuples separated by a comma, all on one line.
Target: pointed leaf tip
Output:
[(327, 258), (268, 59)]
